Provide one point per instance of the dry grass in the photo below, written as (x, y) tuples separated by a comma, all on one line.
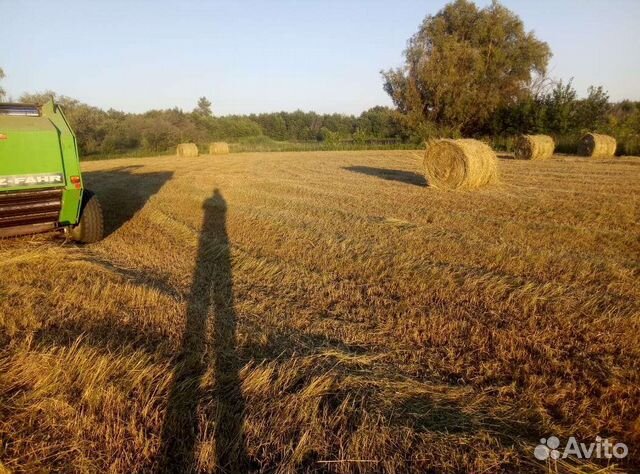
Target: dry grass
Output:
[(325, 312)]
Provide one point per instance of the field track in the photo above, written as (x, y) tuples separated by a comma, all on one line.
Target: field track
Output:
[(325, 312)]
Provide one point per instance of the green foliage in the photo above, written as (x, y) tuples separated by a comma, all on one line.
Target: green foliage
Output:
[(262, 144), (463, 65), (233, 127), (360, 136), (557, 111), (332, 138), (476, 72), (623, 121), (303, 126), (382, 122), (552, 109), (90, 124), (273, 125), (204, 107), (108, 133), (559, 108), (592, 112)]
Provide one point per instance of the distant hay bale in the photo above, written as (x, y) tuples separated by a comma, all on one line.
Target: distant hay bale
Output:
[(218, 148), (596, 145), (188, 150), (460, 164), (534, 147)]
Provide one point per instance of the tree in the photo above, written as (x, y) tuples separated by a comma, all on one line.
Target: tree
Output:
[(592, 112), (380, 122), (624, 124), (560, 108), (2, 93), (273, 125), (40, 98), (204, 107), (89, 123), (463, 64)]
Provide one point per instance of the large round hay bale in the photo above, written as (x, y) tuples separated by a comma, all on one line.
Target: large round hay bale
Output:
[(597, 145), (534, 147), (188, 150), (218, 148), (460, 164)]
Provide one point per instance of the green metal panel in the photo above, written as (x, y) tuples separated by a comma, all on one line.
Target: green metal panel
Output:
[(72, 197), (31, 146), (41, 152)]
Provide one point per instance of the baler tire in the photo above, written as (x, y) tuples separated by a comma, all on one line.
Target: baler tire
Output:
[(90, 228)]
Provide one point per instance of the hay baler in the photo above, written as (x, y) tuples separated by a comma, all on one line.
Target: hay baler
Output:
[(41, 187)]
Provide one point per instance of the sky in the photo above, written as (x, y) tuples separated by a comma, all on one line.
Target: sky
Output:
[(271, 55)]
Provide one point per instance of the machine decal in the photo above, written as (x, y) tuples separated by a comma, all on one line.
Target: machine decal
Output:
[(31, 180)]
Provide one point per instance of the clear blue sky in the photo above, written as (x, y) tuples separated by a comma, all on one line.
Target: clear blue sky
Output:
[(262, 56)]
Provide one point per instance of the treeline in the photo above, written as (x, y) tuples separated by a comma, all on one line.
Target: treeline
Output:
[(115, 132), (558, 112), (553, 109)]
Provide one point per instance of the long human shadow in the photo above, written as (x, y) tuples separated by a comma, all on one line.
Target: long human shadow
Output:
[(408, 177), (210, 311), (122, 193)]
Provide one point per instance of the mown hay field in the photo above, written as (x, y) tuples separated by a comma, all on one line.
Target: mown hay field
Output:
[(326, 312)]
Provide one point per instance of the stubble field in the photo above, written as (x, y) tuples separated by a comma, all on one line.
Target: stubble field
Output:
[(326, 312)]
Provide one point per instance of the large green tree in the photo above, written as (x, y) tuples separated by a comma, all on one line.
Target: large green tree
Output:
[(463, 64)]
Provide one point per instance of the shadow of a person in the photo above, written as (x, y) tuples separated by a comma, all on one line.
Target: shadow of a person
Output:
[(209, 312)]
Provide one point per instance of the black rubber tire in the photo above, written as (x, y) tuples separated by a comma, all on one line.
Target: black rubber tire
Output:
[(90, 229)]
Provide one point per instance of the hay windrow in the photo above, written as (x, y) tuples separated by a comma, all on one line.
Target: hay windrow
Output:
[(534, 147), (460, 164), (597, 145), (187, 150), (218, 148)]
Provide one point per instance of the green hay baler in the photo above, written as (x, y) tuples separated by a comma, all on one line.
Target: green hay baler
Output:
[(41, 187)]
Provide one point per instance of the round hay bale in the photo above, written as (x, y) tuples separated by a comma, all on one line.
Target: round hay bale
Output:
[(188, 150), (218, 148), (596, 145), (534, 147), (460, 164)]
